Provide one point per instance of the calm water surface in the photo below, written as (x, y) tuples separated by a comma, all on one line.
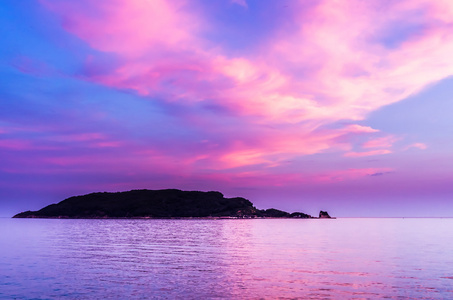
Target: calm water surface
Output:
[(236, 259)]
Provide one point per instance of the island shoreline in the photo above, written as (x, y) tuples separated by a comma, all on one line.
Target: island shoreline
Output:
[(160, 204)]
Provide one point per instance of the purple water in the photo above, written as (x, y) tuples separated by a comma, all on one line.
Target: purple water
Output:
[(236, 259)]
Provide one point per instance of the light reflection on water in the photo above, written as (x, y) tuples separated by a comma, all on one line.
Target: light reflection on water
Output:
[(193, 259)]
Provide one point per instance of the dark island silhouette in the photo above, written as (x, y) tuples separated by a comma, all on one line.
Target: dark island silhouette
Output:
[(169, 203), (324, 215)]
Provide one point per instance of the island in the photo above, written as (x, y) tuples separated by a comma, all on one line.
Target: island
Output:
[(324, 215), (156, 204)]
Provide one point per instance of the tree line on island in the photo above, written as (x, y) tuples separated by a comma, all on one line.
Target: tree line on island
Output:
[(169, 203)]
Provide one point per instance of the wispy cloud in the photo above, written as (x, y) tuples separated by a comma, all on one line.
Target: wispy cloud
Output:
[(382, 142), (304, 91), (420, 146), (367, 153)]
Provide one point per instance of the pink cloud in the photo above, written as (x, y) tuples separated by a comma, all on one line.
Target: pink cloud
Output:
[(382, 142), (255, 178), (354, 128), (80, 137), (420, 146), (333, 65), (353, 75), (367, 153), (342, 175), (108, 144), (87, 139), (131, 28), (358, 73), (15, 144)]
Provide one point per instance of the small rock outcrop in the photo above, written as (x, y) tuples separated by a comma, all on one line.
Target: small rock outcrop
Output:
[(324, 215)]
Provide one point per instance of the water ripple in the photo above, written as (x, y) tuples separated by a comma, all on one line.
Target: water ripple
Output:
[(239, 259)]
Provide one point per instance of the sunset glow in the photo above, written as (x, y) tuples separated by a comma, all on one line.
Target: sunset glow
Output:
[(299, 105)]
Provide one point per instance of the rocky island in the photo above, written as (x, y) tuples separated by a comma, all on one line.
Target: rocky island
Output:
[(169, 203), (324, 215)]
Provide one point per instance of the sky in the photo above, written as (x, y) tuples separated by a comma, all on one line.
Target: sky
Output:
[(339, 105)]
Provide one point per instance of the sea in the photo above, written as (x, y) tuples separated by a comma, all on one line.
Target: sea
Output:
[(344, 258)]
